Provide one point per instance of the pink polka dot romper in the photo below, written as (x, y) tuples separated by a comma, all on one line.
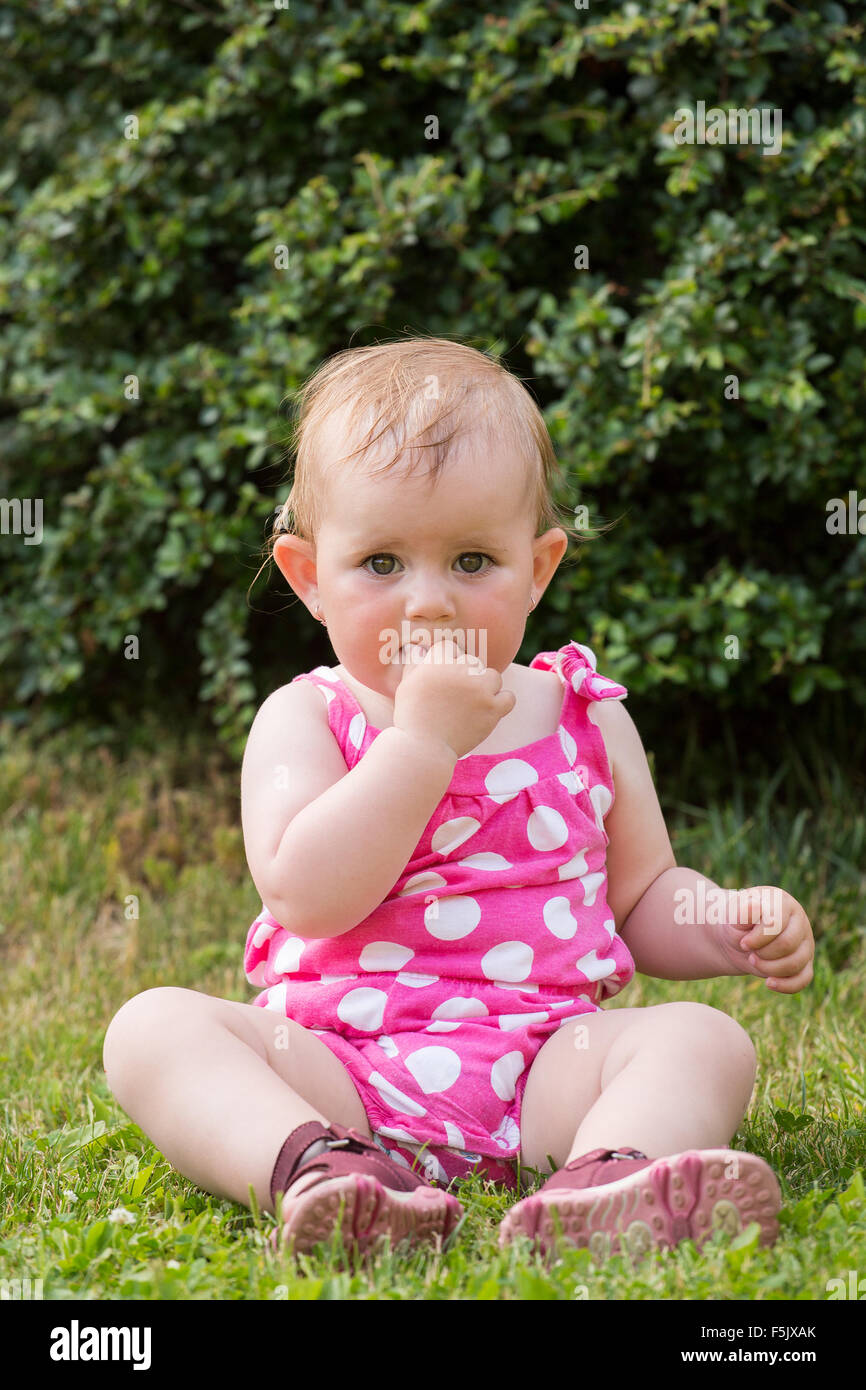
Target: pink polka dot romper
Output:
[(496, 933)]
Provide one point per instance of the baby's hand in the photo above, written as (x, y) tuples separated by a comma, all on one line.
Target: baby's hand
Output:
[(452, 696), (769, 934)]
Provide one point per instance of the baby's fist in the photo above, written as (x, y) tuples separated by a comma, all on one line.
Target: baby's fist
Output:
[(773, 936)]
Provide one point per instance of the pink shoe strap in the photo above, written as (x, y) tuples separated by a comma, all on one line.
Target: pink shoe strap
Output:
[(601, 1156), (346, 1151), (598, 1167)]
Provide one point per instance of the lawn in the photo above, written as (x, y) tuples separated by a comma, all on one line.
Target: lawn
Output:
[(119, 875)]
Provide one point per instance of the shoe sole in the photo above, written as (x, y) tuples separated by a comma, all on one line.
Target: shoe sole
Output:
[(365, 1212), (685, 1196)]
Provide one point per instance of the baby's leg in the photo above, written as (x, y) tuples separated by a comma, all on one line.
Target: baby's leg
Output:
[(659, 1079), (218, 1085)]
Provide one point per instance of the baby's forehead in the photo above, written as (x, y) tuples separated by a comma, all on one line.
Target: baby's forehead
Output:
[(373, 439), (362, 460), (474, 482), (368, 446)]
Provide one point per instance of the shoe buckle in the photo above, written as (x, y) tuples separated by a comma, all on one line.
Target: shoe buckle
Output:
[(337, 1143)]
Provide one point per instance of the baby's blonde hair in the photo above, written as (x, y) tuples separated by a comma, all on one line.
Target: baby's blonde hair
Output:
[(421, 382)]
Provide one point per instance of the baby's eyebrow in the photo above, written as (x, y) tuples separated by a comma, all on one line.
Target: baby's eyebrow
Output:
[(396, 544)]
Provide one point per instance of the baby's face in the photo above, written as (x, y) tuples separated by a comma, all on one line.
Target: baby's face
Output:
[(395, 560)]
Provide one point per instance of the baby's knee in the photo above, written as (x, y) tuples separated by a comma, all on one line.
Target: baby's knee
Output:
[(722, 1034), (133, 1028)]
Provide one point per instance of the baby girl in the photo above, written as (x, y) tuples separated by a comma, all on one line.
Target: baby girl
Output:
[(460, 860)]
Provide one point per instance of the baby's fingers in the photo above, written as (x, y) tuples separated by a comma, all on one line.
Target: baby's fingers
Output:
[(772, 947), (787, 975), (761, 908), (794, 983)]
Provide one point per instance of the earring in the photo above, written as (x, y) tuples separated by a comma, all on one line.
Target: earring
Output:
[(318, 615), (532, 603)]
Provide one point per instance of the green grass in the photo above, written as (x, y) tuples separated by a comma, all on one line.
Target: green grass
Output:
[(91, 1208)]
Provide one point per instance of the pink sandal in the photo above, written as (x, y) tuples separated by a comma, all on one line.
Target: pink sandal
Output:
[(352, 1185), (617, 1200)]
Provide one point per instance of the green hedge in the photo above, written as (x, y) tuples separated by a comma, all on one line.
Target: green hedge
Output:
[(309, 128)]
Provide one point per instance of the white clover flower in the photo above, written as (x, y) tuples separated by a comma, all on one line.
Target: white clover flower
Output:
[(122, 1217)]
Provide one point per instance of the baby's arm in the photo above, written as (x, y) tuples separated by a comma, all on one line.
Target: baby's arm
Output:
[(643, 875), (325, 845)]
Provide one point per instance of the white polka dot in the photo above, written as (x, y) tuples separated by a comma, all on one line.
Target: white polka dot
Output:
[(510, 960), (422, 883), (357, 730), (559, 919), (488, 863), (449, 919), (460, 1007), (578, 679), (593, 968), (434, 1068), (525, 988), (363, 1008), (504, 1074), (288, 957), (452, 833), (455, 1138), (588, 653), (392, 1132), (257, 975), (601, 802), (441, 1027), (508, 778), (415, 981), (569, 747), (610, 927), (396, 1099), (388, 1046), (507, 1135), (277, 998), (384, 955), (264, 932), (546, 828), (571, 782), (334, 979), (591, 884), (509, 1021), (575, 866), (563, 1004)]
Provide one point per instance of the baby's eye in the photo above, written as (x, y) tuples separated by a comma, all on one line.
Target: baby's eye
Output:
[(387, 559), (375, 559), (474, 555)]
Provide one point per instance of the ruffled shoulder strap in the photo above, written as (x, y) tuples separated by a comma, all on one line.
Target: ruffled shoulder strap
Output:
[(576, 664)]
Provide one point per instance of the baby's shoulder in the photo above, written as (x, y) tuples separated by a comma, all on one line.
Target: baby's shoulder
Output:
[(610, 717), (622, 740)]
